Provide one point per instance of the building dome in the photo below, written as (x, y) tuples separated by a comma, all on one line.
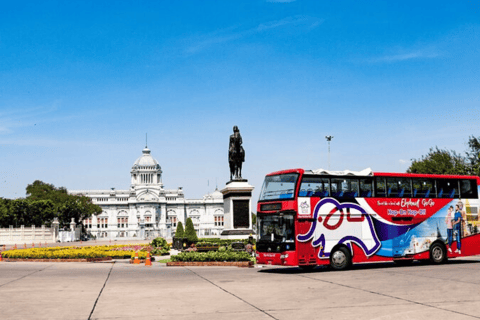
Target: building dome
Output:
[(217, 194), (146, 160), (146, 171)]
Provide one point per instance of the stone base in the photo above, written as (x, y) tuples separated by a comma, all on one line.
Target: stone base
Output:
[(237, 180), (241, 264)]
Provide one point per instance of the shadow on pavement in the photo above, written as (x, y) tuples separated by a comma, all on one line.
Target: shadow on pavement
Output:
[(362, 266)]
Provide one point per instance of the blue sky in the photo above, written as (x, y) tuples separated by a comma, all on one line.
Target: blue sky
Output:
[(82, 82)]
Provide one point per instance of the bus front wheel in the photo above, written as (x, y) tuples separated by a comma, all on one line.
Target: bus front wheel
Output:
[(340, 258), (437, 253)]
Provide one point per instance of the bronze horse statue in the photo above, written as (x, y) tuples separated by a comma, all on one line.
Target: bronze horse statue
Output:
[(236, 154)]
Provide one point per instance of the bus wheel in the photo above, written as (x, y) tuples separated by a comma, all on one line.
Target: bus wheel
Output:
[(437, 253), (340, 258)]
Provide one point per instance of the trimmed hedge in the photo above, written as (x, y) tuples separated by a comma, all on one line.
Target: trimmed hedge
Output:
[(212, 256), (223, 242)]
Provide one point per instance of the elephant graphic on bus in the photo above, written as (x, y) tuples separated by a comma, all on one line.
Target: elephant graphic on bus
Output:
[(341, 223)]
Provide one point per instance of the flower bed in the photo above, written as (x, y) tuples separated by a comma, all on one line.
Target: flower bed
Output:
[(88, 252), (59, 260)]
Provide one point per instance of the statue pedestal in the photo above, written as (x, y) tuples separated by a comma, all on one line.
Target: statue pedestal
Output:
[(237, 199)]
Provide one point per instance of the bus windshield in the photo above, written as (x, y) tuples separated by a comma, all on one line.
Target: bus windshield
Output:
[(279, 187), (276, 228)]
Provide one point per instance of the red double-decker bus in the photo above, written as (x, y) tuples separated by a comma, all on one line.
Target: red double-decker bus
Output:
[(308, 218)]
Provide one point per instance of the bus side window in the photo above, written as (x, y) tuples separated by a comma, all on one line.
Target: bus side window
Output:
[(392, 188), (346, 187), (314, 186), (353, 188), (366, 188), (380, 187), (405, 187), (447, 188), (468, 189), (423, 188), (337, 190)]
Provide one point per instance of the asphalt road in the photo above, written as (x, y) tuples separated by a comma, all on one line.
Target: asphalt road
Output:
[(122, 291)]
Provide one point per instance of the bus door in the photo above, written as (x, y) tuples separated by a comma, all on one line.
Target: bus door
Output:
[(306, 254)]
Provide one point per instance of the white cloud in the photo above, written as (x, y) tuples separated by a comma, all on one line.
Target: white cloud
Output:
[(281, 1), (297, 20), (408, 56), (18, 117), (402, 54), (231, 34)]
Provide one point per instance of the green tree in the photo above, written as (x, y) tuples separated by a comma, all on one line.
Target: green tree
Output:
[(26, 212), (190, 233), (66, 206), (179, 233), (19, 210), (473, 155), (439, 161), (6, 217), (41, 212), (40, 190)]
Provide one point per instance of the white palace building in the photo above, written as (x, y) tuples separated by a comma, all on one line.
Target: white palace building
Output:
[(147, 210)]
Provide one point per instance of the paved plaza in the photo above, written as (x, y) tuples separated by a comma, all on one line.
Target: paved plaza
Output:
[(123, 291)]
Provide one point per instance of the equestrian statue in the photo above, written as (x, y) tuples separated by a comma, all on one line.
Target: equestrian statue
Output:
[(236, 155)]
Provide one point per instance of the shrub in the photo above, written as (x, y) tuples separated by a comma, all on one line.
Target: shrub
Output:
[(179, 233), (160, 243), (190, 233), (160, 252)]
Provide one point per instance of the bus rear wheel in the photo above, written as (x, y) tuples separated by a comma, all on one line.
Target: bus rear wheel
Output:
[(437, 253), (340, 258)]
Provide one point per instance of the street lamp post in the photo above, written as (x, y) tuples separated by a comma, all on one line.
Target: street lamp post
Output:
[(329, 138)]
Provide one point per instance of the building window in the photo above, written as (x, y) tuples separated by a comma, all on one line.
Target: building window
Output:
[(173, 221), (219, 222), (102, 223), (122, 222), (87, 223)]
